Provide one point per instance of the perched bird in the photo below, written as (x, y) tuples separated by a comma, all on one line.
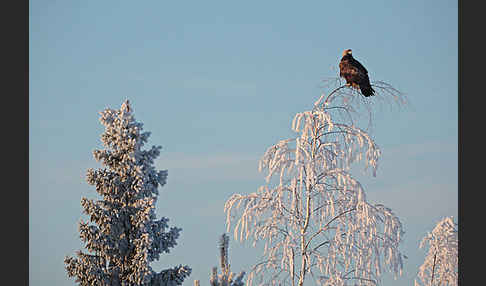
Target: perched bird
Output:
[(355, 74)]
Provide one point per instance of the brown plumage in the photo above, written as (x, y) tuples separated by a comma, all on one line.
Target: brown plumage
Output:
[(355, 74)]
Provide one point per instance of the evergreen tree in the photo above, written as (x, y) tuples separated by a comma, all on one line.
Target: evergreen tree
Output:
[(226, 278), (124, 236)]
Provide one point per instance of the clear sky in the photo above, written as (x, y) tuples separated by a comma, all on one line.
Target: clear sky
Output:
[(217, 83)]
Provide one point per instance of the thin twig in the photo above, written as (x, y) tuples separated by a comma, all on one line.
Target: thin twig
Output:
[(433, 270)]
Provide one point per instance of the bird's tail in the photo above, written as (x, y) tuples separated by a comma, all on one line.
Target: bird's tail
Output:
[(367, 90)]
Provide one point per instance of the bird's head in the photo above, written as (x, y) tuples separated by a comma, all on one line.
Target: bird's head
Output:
[(347, 52)]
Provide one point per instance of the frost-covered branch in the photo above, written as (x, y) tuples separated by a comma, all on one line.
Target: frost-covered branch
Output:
[(440, 265), (171, 277), (352, 105)]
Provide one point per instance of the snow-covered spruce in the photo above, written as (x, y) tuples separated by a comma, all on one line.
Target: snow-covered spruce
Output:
[(226, 278), (440, 265), (312, 215), (124, 236)]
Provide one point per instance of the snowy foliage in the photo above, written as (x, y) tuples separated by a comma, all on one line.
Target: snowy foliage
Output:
[(124, 236), (440, 265), (311, 214), (226, 278)]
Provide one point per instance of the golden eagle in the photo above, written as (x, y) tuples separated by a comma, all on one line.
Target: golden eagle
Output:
[(355, 74)]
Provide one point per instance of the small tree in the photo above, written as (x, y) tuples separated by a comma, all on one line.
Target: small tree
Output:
[(125, 236), (440, 265), (311, 214), (226, 278)]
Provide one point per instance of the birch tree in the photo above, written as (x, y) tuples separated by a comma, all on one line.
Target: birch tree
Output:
[(312, 215), (124, 236), (440, 265)]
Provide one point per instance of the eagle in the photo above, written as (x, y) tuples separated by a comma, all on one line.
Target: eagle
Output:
[(355, 74)]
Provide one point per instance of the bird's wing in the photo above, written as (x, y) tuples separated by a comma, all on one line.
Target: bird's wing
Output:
[(359, 66), (346, 66)]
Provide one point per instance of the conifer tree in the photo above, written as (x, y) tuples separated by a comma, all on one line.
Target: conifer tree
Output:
[(124, 236), (226, 278)]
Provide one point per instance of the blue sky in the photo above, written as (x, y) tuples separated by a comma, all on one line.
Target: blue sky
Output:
[(217, 83)]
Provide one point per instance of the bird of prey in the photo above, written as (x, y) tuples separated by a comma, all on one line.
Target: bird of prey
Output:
[(355, 74)]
